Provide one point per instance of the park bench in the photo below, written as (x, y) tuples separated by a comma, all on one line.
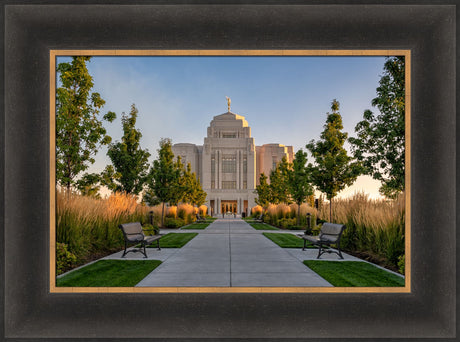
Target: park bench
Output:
[(134, 234), (330, 234), (199, 218), (260, 219)]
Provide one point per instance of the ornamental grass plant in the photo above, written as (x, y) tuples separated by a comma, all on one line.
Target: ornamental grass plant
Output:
[(89, 227), (284, 216), (375, 227)]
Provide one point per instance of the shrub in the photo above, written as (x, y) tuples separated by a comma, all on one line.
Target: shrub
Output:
[(283, 211), (186, 212), (174, 223), (150, 230), (287, 223), (402, 264), (171, 212), (203, 210), (256, 211), (64, 258)]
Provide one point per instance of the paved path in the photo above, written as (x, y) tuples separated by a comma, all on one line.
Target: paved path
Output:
[(229, 252)]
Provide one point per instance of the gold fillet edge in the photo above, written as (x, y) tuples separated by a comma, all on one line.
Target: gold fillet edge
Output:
[(407, 180), (54, 289), (231, 290), (102, 52), (52, 167)]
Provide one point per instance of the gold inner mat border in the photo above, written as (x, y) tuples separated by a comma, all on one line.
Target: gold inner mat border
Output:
[(284, 52)]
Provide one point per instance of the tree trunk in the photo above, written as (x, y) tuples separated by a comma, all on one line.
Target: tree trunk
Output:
[(330, 210), (68, 186), (163, 215), (298, 214)]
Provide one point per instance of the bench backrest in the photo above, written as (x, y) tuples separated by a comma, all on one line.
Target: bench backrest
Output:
[(331, 232), (132, 231)]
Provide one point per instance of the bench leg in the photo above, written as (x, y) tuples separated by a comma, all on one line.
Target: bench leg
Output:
[(340, 252), (125, 252), (144, 252), (319, 250)]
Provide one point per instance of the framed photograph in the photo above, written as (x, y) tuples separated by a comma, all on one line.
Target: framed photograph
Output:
[(229, 166), (138, 36)]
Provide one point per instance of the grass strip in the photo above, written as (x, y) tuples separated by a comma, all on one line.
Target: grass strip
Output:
[(286, 240), (354, 274), (200, 225), (109, 273), (262, 226), (174, 240)]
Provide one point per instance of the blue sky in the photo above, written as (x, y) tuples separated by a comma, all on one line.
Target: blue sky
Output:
[(284, 99)]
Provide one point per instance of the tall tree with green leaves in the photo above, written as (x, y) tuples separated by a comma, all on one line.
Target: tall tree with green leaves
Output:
[(163, 177), (129, 160), (279, 179), (193, 193), (177, 190), (89, 185), (264, 195), (299, 184), (199, 195), (380, 144), (79, 128), (333, 169)]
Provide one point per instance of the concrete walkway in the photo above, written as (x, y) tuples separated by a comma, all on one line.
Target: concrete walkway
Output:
[(229, 252)]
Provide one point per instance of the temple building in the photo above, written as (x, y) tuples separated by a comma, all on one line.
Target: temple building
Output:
[(229, 163)]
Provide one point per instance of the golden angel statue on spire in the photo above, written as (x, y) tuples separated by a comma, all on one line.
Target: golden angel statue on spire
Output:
[(228, 102)]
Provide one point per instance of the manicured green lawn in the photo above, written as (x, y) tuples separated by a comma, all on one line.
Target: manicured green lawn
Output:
[(174, 240), (109, 273), (286, 240), (262, 226), (354, 273), (199, 225)]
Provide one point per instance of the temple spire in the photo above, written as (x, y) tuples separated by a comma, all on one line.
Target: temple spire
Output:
[(228, 102)]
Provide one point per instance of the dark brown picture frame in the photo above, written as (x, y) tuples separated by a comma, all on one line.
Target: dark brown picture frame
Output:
[(31, 311)]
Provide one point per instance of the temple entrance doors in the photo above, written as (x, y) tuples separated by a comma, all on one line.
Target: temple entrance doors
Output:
[(228, 207)]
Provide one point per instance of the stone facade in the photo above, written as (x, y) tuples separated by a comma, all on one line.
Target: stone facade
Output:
[(229, 164)]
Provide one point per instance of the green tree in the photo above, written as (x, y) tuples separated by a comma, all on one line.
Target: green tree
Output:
[(380, 144), (79, 129), (178, 188), (88, 185), (200, 195), (129, 160), (299, 181), (333, 169), (279, 179), (193, 192), (263, 192), (163, 177)]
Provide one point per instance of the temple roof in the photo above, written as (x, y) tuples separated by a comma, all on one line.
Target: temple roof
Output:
[(231, 116)]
